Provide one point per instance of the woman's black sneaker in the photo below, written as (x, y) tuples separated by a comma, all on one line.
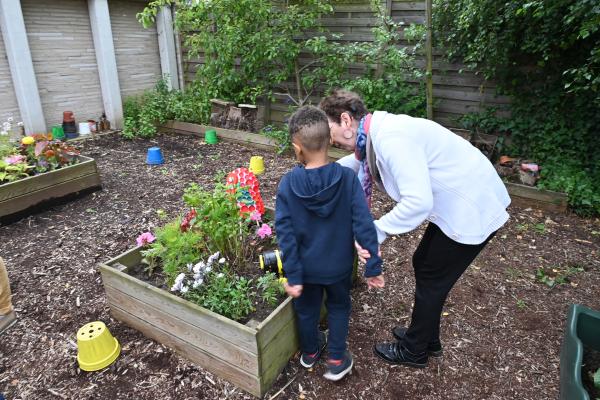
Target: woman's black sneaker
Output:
[(434, 349), (396, 353)]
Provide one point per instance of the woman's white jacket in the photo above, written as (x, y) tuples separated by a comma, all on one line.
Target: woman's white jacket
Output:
[(434, 174)]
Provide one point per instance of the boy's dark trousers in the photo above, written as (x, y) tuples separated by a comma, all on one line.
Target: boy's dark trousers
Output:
[(308, 311), (438, 263)]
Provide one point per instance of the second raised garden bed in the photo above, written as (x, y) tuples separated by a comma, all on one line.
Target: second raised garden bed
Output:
[(18, 197)]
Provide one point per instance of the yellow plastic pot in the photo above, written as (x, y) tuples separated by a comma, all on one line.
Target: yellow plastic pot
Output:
[(97, 348), (257, 165)]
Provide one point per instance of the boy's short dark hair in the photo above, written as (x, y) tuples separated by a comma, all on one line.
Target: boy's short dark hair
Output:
[(310, 126)]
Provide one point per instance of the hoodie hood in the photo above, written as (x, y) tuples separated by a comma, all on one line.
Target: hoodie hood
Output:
[(318, 188)]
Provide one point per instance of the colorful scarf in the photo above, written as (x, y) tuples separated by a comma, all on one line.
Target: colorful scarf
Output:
[(360, 152)]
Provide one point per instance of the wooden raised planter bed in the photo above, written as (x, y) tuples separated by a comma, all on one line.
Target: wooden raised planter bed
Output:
[(250, 356), (234, 136), (524, 196), (18, 196)]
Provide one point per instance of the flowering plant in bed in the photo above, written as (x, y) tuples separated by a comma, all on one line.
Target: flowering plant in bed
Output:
[(35, 155), (207, 254)]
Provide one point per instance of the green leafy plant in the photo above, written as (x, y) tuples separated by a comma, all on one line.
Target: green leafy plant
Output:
[(543, 54), (555, 276), (226, 294), (270, 288), (173, 250), (142, 113), (281, 136)]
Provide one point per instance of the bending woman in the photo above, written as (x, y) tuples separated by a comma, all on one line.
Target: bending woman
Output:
[(434, 175)]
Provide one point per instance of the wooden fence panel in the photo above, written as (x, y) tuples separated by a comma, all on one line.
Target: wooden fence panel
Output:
[(457, 90)]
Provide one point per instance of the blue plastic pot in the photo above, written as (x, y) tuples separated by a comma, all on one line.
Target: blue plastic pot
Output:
[(154, 156)]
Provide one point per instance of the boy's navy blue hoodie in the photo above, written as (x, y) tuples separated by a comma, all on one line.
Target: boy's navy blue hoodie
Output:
[(318, 214)]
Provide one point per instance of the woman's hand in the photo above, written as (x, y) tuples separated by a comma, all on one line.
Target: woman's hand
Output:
[(363, 254), (293, 290), (376, 282)]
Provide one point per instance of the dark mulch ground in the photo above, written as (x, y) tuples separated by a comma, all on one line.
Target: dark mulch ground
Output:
[(501, 328)]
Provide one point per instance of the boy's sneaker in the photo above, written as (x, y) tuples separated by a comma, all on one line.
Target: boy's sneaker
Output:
[(6, 321), (434, 349), (309, 360), (337, 369), (396, 353)]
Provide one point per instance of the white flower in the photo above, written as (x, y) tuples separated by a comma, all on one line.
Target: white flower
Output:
[(178, 285), (222, 260), (3, 133), (197, 283), (189, 267), (184, 289), (20, 123), (199, 267), (220, 275), (9, 119), (212, 258), (208, 269)]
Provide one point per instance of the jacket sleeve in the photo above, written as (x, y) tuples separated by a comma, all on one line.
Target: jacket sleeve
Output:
[(286, 239), (364, 229), (349, 161), (406, 162)]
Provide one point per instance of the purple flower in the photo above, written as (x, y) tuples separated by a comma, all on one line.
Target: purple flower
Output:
[(145, 238), (264, 231), (14, 159), (255, 216)]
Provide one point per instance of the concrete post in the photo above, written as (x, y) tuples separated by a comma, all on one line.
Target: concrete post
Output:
[(107, 62), (21, 66), (166, 46)]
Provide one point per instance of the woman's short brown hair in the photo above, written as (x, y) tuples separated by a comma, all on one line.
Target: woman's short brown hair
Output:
[(341, 100)]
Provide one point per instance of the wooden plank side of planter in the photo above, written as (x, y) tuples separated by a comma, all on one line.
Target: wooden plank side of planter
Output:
[(215, 347), (238, 377), (42, 181), (527, 196), (277, 342), (235, 333), (25, 201)]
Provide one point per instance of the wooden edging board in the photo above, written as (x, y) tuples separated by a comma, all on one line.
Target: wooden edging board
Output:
[(521, 195), (20, 195), (250, 357)]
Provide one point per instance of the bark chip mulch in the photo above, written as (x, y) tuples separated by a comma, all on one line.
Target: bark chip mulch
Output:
[(501, 328)]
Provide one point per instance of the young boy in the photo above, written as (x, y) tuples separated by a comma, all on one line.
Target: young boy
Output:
[(320, 211)]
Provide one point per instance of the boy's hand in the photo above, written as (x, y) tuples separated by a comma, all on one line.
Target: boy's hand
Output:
[(293, 290), (363, 254), (376, 282)]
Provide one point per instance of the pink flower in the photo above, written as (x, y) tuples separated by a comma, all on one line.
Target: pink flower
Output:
[(14, 159), (145, 238), (264, 231), (255, 216)]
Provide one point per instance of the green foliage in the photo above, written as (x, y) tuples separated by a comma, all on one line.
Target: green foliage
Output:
[(556, 276), (545, 55), (143, 113), (173, 249), (219, 223), (270, 288), (11, 173), (252, 54), (228, 295), (281, 136), (596, 378)]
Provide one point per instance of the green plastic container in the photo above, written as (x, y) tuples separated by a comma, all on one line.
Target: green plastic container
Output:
[(58, 133), (583, 329), (210, 136)]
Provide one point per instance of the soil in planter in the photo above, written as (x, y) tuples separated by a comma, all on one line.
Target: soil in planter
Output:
[(591, 364), (262, 308)]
